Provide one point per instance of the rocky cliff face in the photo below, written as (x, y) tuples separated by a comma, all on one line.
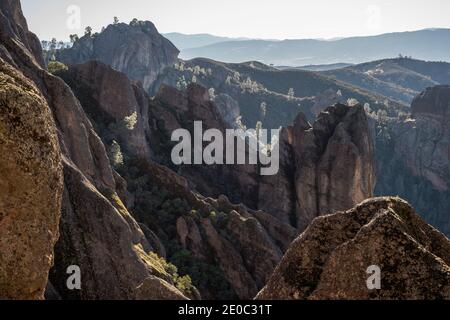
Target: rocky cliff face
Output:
[(331, 167), (413, 156), (125, 215), (30, 187), (15, 28), (30, 167), (212, 238), (324, 167), (197, 232), (433, 102), (331, 258), (137, 50), (90, 204), (114, 104)]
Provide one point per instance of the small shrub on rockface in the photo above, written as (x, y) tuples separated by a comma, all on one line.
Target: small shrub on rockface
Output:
[(291, 93), (193, 214), (116, 154), (213, 216), (131, 121), (183, 283), (55, 66)]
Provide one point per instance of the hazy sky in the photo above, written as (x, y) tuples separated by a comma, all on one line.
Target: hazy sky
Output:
[(272, 19)]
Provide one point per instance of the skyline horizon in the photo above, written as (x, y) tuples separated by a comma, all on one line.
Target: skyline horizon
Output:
[(245, 38), (263, 19)]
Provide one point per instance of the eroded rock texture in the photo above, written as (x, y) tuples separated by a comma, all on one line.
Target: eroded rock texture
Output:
[(413, 157), (216, 234), (330, 259), (137, 50), (115, 262), (324, 167), (328, 165), (242, 245), (30, 187), (114, 104), (97, 232), (30, 167), (333, 162)]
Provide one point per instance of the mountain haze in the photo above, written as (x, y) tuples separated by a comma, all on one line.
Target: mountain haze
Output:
[(187, 41), (400, 79), (430, 44)]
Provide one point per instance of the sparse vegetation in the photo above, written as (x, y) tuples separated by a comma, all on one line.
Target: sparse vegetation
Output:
[(55, 66), (116, 154), (212, 94), (88, 31), (181, 83), (263, 108), (291, 93), (352, 102), (134, 22), (73, 38), (183, 283), (131, 121)]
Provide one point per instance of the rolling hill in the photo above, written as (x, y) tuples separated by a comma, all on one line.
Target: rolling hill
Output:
[(252, 84), (400, 79)]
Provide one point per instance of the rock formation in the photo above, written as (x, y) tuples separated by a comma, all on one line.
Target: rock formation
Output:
[(137, 50), (331, 258), (413, 156), (433, 102), (30, 167), (30, 185), (328, 166), (243, 245), (324, 167), (86, 156), (113, 103), (219, 233), (14, 33), (113, 263), (333, 162)]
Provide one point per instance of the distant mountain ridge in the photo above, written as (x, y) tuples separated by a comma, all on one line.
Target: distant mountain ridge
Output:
[(252, 84), (188, 41), (400, 79), (317, 67), (429, 44)]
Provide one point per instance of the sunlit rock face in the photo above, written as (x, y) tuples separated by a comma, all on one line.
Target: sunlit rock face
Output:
[(137, 50), (30, 165), (337, 255)]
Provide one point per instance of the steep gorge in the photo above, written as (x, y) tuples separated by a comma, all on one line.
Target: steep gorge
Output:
[(170, 200), (89, 185), (93, 149)]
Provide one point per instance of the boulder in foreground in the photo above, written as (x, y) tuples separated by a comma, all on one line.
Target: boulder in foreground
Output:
[(330, 259)]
